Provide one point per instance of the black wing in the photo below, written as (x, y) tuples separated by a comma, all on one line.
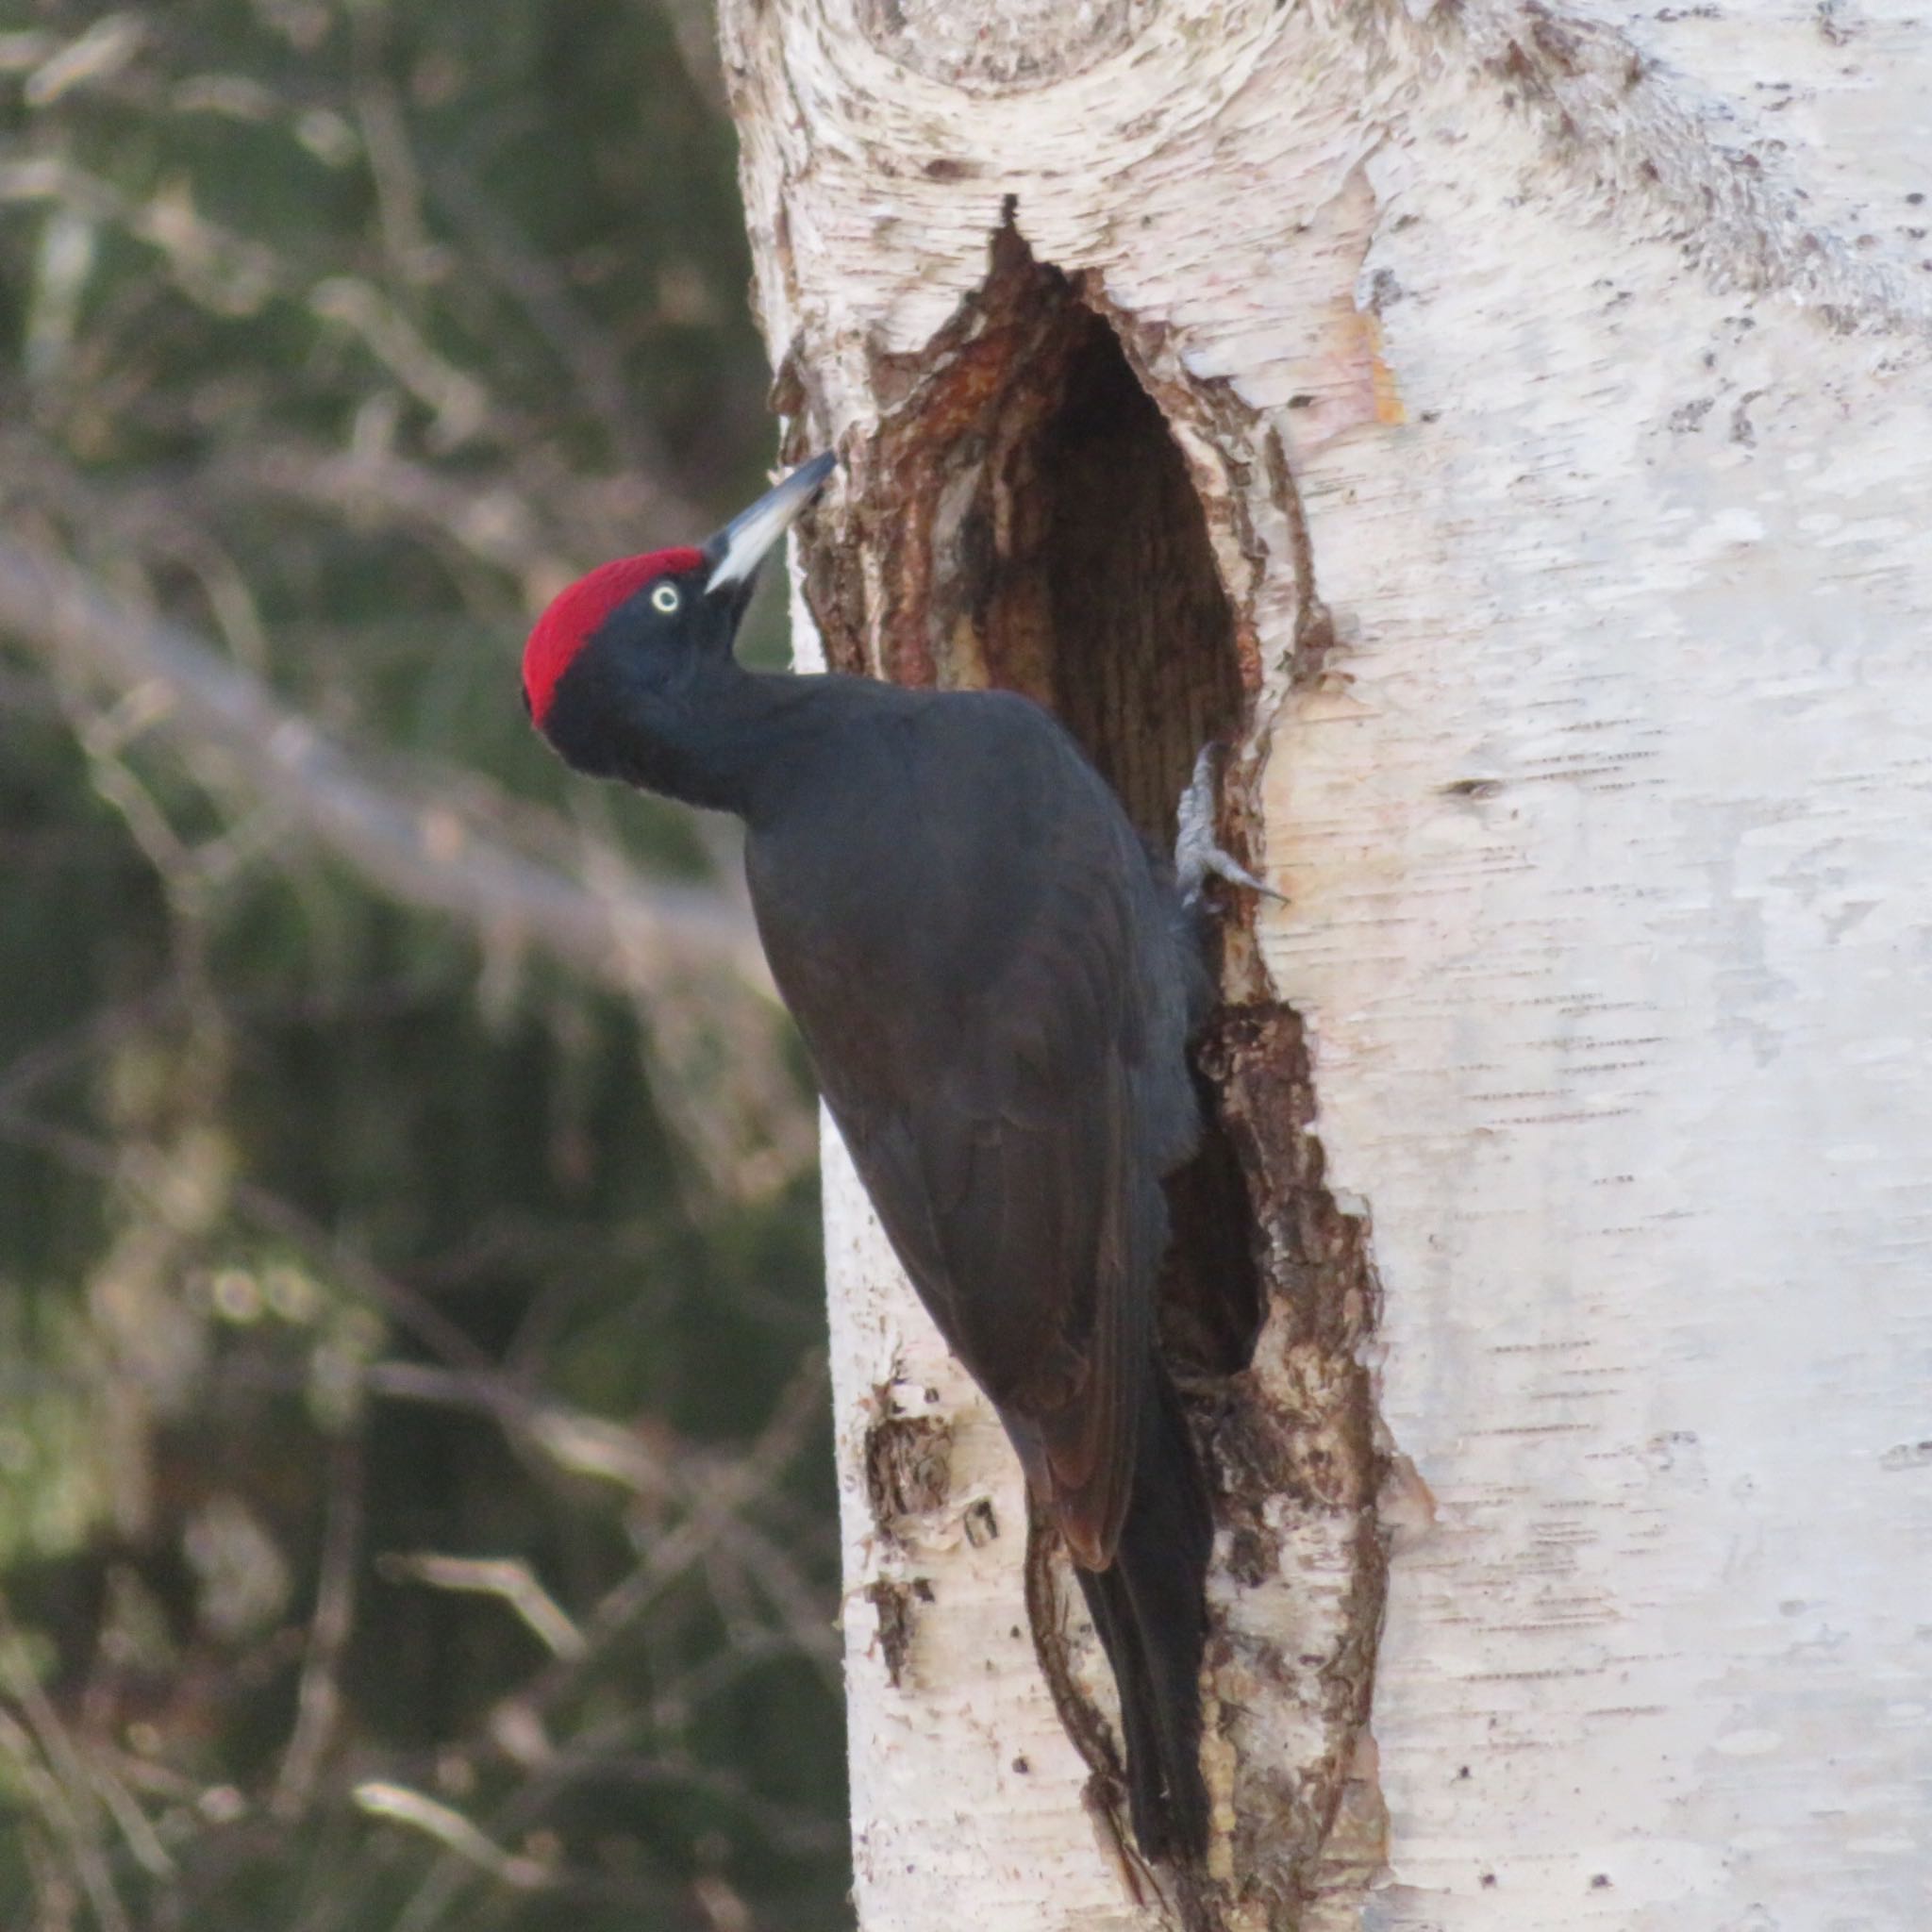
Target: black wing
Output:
[(995, 1051)]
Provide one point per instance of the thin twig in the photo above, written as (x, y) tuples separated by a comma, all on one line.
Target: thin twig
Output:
[(319, 1697), (506, 1578), (60, 1782), (451, 1830)]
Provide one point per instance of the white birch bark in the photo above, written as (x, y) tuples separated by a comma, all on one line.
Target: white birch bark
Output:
[(1596, 344)]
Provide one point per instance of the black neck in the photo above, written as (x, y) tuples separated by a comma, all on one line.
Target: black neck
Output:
[(729, 740)]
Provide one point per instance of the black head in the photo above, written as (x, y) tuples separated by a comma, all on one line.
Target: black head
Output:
[(640, 633)]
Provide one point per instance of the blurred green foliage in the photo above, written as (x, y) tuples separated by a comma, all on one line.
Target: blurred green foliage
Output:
[(343, 1246)]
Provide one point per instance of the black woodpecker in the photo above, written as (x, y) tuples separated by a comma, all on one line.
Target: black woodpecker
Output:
[(997, 987)]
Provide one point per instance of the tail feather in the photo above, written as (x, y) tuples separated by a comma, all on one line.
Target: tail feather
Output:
[(1150, 1609)]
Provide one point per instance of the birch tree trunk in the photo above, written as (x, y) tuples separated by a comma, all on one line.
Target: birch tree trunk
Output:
[(1510, 428)]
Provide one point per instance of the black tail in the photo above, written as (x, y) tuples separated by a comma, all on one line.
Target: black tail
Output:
[(1150, 1608)]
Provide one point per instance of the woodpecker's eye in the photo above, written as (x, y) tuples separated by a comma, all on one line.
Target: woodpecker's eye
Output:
[(665, 598)]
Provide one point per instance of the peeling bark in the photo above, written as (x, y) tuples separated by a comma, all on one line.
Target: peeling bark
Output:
[(1509, 438)]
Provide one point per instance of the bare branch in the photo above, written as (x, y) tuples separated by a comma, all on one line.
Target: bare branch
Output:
[(628, 934), (569, 1441), (507, 1577), (319, 1699), (451, 1830), (60, 1787), (539, 521)]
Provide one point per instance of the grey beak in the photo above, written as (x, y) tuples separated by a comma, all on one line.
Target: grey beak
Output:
[(736, 552)]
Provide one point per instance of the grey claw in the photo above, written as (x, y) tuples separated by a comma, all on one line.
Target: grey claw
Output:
[(1196, 854)]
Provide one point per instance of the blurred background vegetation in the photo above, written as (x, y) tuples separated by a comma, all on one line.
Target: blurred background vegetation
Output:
[(415, 1487)]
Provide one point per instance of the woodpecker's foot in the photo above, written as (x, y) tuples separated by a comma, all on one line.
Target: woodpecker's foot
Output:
[(1196, 854)]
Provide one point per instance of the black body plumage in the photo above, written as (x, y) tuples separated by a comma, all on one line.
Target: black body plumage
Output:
[(995, 984)]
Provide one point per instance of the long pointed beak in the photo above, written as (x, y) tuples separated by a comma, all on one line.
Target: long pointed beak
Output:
[(736, 552)]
